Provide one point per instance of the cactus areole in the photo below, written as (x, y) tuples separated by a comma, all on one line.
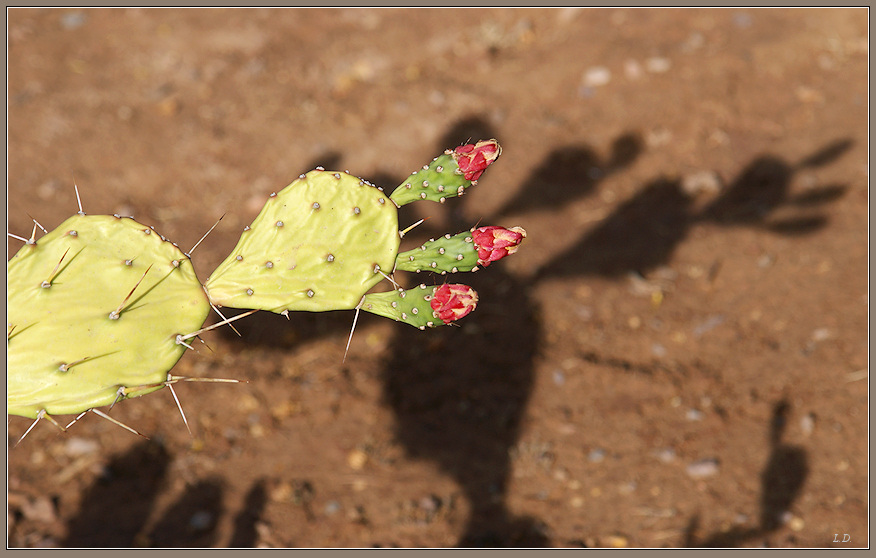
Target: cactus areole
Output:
[(95, 307), (318, 245)]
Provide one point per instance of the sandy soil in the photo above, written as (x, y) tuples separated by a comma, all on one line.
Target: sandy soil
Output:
[(677, 355)]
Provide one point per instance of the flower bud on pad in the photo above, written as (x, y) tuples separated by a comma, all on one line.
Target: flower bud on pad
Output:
[(462, 252), (423, 306), (448, 175)]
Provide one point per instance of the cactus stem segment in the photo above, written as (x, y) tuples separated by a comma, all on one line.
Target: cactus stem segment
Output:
[(115, 314)]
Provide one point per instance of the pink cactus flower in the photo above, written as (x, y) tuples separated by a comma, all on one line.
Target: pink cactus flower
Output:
[(494, 243), (473, 159), (452, 302)]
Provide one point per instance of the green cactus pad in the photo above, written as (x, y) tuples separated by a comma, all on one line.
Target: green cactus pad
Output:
[(410, 306), (317, 245), (448, 254), (95, 307)]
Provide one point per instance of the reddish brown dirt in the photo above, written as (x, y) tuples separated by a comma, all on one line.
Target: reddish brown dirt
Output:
[(677, 355)]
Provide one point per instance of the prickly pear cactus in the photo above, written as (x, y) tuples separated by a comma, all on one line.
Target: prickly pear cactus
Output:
[(95, 307), (100, 308), (319, 244)]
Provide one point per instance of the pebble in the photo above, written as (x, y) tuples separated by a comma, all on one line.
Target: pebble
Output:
[(616, 541), (39, 509), (666, 455), (76, 447), (632, 69), (72, 20), (559, 377), (596, 76), (821, 334), (709, 324), (701, 182), (703, 468), (694, 415), (596, 456), (658, 65), (658, 350), (356, 459), (807, 424), (201, 521), (332, 507)]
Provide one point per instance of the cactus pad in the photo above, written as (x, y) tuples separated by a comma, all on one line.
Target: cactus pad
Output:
[(448, 254), (423, 306), (462, 252), (449, 174), (95, 307), (317, 245)]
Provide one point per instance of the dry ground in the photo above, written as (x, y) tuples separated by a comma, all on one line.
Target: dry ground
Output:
[(677, 355)]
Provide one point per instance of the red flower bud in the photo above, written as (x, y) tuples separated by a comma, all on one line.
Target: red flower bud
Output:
[(494, 243), (452, 302), (473, 159)]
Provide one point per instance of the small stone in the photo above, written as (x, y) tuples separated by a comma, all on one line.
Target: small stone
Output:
[(201, 521), (356, 459), (821, 334), (665, 455), (694, 415), (75, 447), (39, 509), (701, 182), (332, 507), (703, 468), (73, 20), (807, 424), (632, 69), (616, 541), (596, 456), (596, 76), (658, 65)]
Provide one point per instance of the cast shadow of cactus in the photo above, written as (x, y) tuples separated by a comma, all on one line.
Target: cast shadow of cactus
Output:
[(781, 482), (116, 510)]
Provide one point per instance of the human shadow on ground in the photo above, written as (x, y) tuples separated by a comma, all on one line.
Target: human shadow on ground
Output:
[(116, 508), (643, 232), (782, 480)]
